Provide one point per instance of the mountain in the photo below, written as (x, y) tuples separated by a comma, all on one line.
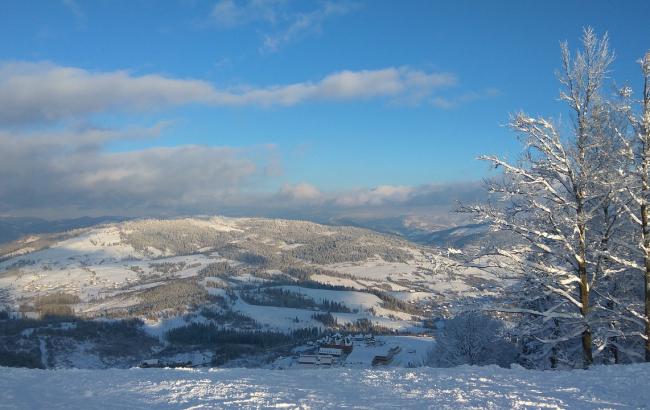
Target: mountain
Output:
[(437, 232), (192, 279)]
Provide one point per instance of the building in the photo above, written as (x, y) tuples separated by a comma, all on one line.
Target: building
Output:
[(332, 351), (316, 359), (384, 359)]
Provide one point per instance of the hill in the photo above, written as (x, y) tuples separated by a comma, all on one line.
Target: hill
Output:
[(238, 274)]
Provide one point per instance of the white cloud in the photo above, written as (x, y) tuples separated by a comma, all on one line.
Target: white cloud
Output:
[(226, 13), (284, 20), (302, 192), (70, 173), (390, 82), (74, 8), (380, 195), (32, 92), (70, 169), (73, 170), (453, 102), (301, 24), (43, 91), (231, 13)]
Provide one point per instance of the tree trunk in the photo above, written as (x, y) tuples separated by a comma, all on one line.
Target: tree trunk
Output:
[(646, 277), (644, 197), (587, 356), (586, 334)]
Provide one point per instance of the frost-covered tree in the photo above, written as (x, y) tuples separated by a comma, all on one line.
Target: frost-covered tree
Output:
[(552, 196), (472, 338), (635, 198)]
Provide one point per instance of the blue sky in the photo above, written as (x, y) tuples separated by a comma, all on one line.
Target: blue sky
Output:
[(459, 69)]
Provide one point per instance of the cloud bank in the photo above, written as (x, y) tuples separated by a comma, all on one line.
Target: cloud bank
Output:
[(65, 171), (71, 173), (32, 92), (445, 195)]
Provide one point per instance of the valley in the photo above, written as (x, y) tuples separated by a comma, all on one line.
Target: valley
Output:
[(288, 280)]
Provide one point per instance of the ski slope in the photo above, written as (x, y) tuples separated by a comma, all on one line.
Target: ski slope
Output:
[(611, 387)]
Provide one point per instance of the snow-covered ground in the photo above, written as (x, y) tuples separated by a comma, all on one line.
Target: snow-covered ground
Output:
[(411, 350), (98, 262), (287, 319), (356, 301), (111, 267), (607, 387)]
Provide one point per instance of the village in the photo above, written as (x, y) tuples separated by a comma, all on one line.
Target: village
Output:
[(359, 350), (337, 350)]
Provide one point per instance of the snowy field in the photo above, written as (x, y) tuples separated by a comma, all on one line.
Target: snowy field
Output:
[(616, 387)]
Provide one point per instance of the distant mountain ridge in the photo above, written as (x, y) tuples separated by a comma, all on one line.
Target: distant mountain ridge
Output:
[(416, 229), (454, 234), (12, 228)]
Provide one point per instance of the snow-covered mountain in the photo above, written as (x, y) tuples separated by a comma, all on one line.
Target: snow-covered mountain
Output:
[(105, 262), (237, 273)]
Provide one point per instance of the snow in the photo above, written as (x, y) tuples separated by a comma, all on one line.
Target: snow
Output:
[(412, 296), (375, 269), (80, 271), (354, 300), (441, 276), (19, 252), (99, 244), (217, 223), (158, 328), (618, 387), (336, 281), (278, 318), (290, 246), (107, 274), (284, 319), (44, 353), (412, 350)]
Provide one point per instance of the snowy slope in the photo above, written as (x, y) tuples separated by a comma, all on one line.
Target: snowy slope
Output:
[(287, 319), (611, 387), (412, 351), (115, 269)]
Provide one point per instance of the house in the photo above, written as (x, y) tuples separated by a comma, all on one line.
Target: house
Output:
[(381, 360), (325, 360), (308, 359), (317, 360), (337, 342), (384, 359), (151, 363), (332, 351), (159, 363)]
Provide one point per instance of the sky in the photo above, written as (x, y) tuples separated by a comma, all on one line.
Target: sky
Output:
[(277, 107)]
